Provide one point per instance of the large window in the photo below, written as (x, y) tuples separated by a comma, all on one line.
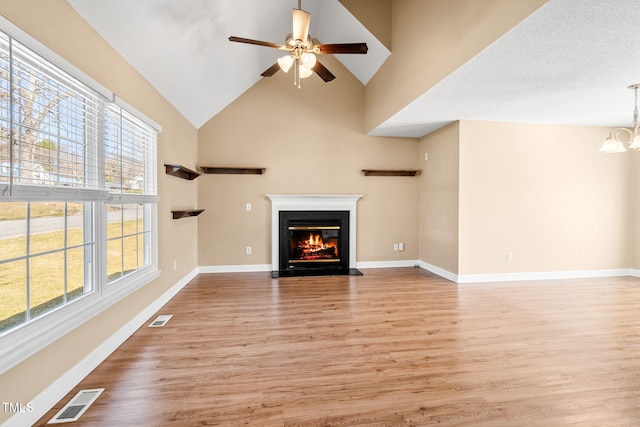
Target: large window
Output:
[(77, 193)]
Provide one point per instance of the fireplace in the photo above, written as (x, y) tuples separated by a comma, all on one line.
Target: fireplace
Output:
[(313, 234), (313, 240)]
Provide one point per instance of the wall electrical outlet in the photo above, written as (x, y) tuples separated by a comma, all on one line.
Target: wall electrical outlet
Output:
[(401, 246), (509, 256), (395, 246), (247, 250), (247, 207)]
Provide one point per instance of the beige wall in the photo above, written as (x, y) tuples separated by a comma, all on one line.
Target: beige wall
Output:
[(439, 194), (634, 225), (310, 141), (431, 39), (55, 24), (375, 15), (544, 193)]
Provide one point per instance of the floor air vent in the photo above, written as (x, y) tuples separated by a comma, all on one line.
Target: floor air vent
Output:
[(161, 320), (77, 406)]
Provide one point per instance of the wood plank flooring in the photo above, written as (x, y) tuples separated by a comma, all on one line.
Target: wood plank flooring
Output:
[(395, 347)]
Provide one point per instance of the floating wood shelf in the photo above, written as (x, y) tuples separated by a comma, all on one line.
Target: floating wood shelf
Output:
[(379, 172), (181, 172), (228, 171), (186, 214)]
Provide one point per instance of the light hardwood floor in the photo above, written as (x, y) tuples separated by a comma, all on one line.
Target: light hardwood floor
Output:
[(395, 347)]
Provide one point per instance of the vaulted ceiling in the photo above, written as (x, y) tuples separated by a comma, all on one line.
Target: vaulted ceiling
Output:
[(570, 62), (181, 46)]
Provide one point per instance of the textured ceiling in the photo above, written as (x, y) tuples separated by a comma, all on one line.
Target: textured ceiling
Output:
[(568, 63)]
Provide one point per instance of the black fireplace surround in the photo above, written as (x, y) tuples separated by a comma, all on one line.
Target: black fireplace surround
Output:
[(313, 243)]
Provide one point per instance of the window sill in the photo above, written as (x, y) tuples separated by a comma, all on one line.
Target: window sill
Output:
[(17, 345)]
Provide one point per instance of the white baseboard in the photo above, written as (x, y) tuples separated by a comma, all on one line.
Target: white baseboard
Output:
[(248, 268), (439, 271), (542, 275), (513, 277), (60, 387), (387, 264), (240, 268)]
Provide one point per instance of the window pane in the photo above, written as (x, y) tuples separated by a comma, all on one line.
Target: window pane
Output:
[(13, 229), (114, 259), (114, 221), (46, 227), (13, 294), (75, 225), (142, 250), (131, 222), (140, 216), (129, 153), (46, 284), (128, 239), (75, 273)]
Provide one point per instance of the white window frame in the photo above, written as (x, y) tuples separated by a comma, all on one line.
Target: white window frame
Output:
[(19, 343)]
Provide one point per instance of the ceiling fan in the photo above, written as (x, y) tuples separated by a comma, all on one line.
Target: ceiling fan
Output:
[(303, 51)]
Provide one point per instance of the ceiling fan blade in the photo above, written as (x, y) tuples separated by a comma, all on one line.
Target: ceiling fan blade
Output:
[(301, 21), (256, 42), (271, 70), (343, 48), (322, 71)]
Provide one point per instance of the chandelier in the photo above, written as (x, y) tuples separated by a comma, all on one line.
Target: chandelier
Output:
[(613, 143)]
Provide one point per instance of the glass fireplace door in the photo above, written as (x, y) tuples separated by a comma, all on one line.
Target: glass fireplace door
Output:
[(314, 244)]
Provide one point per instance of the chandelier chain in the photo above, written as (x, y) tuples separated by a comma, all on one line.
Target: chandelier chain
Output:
[(635, 110)]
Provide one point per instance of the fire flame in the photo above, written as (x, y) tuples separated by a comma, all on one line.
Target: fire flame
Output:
[(314, 244), (315, 240)]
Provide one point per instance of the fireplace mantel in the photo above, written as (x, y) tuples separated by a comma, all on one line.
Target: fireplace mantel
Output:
[(312, 202)]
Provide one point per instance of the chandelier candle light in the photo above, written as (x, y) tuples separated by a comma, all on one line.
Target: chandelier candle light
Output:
[(613, 144)]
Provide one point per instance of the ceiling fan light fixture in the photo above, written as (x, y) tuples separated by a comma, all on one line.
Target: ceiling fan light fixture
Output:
[(285, 63), (302, 50), (308, 59), (305, 72)]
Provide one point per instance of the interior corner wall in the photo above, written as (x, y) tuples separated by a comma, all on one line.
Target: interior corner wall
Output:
[(545, 194), (56, 25), (439, 194), (635, 207), (375, 15), (430, 40), (310, 141)]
